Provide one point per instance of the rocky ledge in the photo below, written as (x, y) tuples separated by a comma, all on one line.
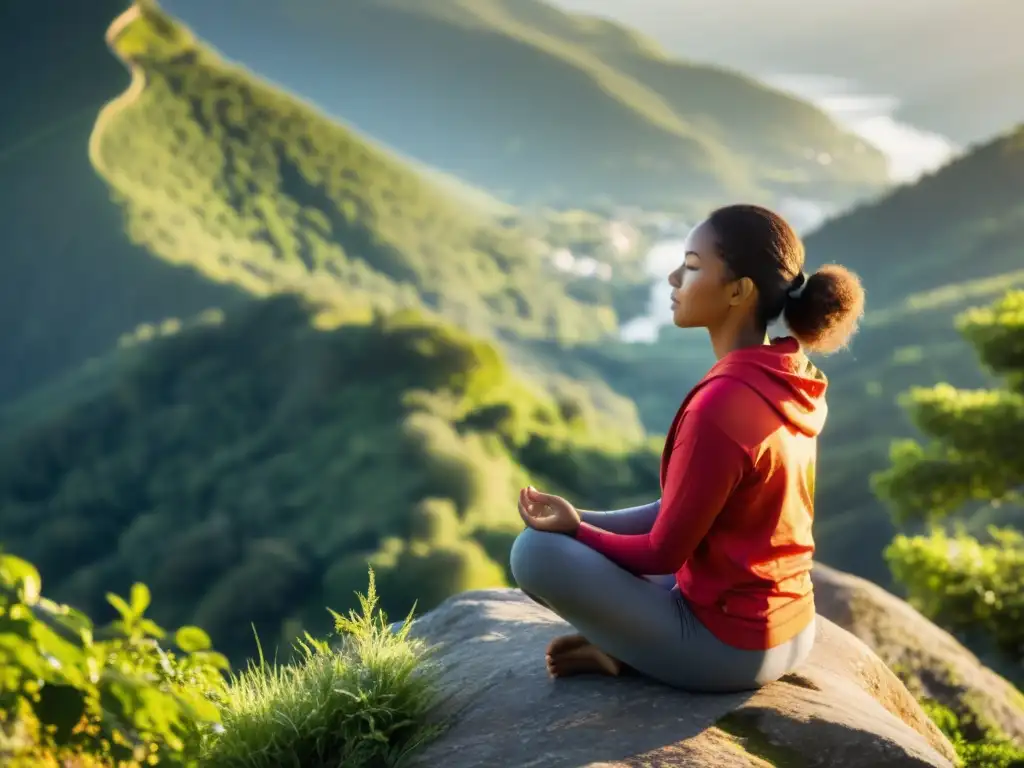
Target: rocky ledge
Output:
[(844, 707)]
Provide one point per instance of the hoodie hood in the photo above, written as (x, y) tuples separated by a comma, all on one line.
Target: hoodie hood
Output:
[(782, 375)]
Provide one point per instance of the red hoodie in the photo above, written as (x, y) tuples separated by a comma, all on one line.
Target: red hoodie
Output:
[(737, 483)]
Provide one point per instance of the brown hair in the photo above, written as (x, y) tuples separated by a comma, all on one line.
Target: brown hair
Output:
[(822, 310)]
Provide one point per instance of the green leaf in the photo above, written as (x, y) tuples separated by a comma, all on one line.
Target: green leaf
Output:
[(198, 707), (67, 659), (192, 639), (77, 622), (140, 598), (23, 576), (213, 659), (152, 629), (120, 606)]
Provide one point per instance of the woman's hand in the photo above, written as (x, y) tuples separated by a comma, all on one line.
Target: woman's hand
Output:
[(544, 512)]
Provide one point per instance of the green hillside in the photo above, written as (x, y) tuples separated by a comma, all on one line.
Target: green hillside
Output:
[(222, 171), (223, 188), (961, 223), (246, 468), (71, 280), (540, 106), (245, 440)]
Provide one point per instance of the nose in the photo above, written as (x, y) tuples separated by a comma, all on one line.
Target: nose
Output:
[(673, 278)]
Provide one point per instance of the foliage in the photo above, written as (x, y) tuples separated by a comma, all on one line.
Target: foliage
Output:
[(992, 751), (220, 171), (71, 281), (973, 456), (266, 449), (72, 692), (368, 703), (966, 583), (212, 204), (75, 695)]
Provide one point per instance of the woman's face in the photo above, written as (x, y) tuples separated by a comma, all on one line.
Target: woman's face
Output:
[(702, 286)]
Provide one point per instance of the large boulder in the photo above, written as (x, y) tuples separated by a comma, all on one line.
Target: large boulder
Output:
[(843, 708), (929, 660)]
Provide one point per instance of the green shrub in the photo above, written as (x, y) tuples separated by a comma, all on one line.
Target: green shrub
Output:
[(970, 457), (99, 696), (993, 751)]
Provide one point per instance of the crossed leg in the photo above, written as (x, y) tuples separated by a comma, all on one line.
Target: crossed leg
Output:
[(624, 621), (573, 654)]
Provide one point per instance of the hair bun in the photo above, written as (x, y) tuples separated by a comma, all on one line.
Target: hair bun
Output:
[(824, 310)]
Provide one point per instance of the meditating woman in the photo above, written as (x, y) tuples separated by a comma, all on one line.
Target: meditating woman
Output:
[(730, 537)]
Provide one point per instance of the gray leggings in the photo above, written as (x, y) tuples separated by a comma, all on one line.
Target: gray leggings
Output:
[(643, 622)]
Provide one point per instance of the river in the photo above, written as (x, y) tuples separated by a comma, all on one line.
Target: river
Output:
[(910, 151)]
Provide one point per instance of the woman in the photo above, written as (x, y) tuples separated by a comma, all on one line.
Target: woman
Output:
[(730, 537)]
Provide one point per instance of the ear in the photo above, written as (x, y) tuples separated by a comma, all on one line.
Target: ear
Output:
[(741, 291)]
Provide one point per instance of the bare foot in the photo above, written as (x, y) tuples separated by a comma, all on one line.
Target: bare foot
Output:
[(583, 659), (560, 646), (564, 643)]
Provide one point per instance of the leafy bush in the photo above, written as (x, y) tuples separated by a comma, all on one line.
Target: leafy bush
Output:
[(966, 583), (267, 450), (69, 691), (973, 456), (74, 695), (992, 751)]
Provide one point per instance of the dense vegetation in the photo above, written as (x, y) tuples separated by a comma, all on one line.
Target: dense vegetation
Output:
[(539, 106), (247, 469), (226, 173), (214, 204), (71, 280), (222, 172), (71, 692), (130, 694), (971, 584), (974, 456)]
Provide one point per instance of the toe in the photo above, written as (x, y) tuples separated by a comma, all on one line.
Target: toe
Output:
[(565, 643)]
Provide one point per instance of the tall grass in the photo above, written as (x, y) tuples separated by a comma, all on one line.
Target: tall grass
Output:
[(367, 702)]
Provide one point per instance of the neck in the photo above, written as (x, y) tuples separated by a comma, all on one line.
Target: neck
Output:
[(725, 340)]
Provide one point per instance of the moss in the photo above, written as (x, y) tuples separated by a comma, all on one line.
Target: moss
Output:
[(744, 727)]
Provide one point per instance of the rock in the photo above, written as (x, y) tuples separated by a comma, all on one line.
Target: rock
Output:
[(843, 708), (928, 659)]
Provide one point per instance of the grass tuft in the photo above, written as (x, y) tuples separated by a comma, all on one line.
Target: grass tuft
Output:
[(366, 702)]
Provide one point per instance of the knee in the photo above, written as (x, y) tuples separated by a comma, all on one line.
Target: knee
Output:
[(534, 558)]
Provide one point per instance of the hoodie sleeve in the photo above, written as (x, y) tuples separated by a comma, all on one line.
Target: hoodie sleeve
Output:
[(704, 469)]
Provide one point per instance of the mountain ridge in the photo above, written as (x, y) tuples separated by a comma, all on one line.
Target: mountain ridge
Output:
[(445, 64)]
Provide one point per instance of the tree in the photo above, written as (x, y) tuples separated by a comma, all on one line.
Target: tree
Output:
[(974, 455)]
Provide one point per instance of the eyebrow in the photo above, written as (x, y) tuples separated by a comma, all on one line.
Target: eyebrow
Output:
[(692, 253)]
